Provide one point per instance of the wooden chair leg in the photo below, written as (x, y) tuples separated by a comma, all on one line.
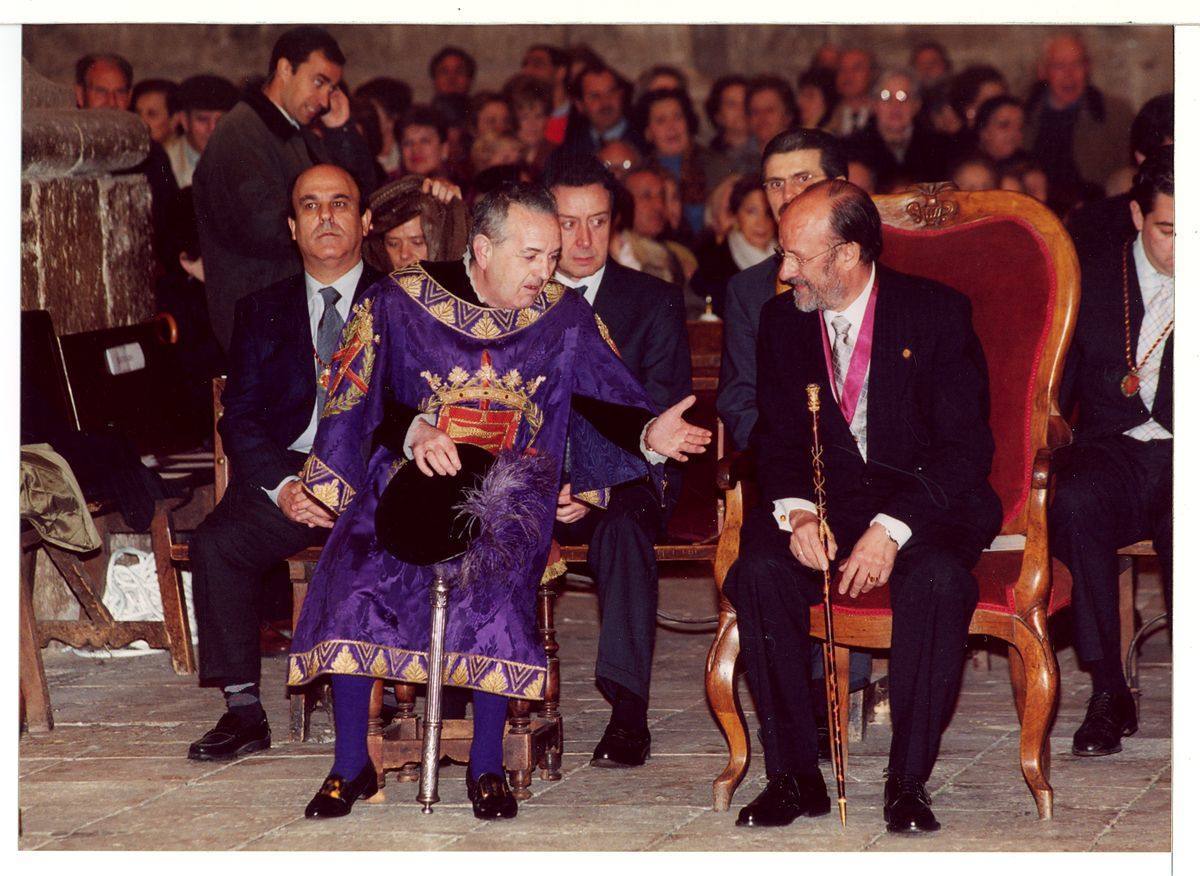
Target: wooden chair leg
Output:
[(720, 688), (406, 700), (551, 763), (1126, 585), (170, 588), (1041, 693), (1016, 673), (375, 730), (35, 694), (518, 748)]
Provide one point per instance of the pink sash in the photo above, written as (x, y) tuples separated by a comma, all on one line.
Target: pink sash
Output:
[(860, 359)]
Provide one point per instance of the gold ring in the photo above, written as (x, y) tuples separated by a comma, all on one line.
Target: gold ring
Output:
[(871, 579)]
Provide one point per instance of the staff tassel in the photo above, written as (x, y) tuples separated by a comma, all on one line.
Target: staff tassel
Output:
[(831, 691)]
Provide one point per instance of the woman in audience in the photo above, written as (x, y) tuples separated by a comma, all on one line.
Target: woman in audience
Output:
[(424, 149), (531, 104), (970, 88), (667, 121), (750, 241), (413, 219), (1000, 128), (490, 114), (816, 96)]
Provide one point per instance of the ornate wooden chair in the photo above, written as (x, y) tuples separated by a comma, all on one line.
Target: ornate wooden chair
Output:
[(1013, 259)]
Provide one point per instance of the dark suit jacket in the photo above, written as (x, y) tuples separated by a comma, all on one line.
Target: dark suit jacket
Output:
[(748, 291), (271, 388), (645, 317), (925, 160), (1096, 361), (929, 444)]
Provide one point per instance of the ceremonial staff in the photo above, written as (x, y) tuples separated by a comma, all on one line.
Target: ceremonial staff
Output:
[(831, 691)]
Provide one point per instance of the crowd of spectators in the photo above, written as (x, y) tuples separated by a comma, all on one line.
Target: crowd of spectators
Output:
[(688, 187)]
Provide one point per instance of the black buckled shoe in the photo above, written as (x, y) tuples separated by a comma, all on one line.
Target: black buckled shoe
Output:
[(491, 797), (231, 738), (906, 806), (786, 798), (336, 795), (621, 748), (1109, 717)]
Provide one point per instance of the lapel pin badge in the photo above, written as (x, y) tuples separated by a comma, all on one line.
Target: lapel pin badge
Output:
[(906, 353)]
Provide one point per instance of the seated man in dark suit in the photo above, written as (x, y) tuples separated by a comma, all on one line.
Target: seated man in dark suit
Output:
[(792, 162), (646, 320), (284, 338), (1114, 482), (907, 450)]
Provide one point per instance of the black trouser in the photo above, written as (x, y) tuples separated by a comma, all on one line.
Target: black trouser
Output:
[(933, 595), (620, 543), (231, 551), (1108, 493)]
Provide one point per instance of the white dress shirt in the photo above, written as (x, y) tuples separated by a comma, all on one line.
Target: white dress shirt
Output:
[(589, 285), (345, 285), (898, 530), (1158, 298)]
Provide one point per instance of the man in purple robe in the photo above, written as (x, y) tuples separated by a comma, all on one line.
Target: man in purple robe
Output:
[(488, 351)]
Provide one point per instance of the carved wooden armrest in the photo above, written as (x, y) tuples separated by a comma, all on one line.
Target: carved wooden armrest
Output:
[(733, 468)]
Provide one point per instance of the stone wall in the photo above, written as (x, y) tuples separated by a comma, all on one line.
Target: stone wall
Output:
[(1133, 60)]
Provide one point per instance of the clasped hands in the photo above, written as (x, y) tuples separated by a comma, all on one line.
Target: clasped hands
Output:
[(868, 566)]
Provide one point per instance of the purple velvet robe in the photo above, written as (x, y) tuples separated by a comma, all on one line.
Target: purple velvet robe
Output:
[(367, 613)]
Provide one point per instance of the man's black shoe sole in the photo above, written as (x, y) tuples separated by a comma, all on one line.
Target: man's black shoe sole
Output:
[(812, 812), (248, 748)]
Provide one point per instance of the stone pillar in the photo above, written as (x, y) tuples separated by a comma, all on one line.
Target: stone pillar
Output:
[(85, 234)]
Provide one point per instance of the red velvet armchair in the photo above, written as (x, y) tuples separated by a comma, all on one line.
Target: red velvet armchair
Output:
[(1013, 259)]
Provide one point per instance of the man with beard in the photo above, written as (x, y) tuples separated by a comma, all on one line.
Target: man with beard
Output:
[(907, 449)]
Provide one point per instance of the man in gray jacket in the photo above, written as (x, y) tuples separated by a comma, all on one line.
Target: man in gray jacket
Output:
[(244, 178)]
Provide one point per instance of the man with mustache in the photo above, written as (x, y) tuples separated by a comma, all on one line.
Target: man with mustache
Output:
[(242, 183), (907, 452), (284, 339)]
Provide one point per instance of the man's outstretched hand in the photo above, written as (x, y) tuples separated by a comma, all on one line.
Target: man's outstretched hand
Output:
[(673, 436)]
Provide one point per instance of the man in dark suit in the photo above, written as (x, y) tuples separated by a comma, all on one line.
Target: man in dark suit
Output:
[(792, 162), (907, 452), (284, 339), (645, 318), (600, 111), (1114, 482)]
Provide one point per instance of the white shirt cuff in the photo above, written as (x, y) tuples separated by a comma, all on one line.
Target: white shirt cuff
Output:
[(652, 456), (899, 531), (408, 436), (273, 495), (784, 508)]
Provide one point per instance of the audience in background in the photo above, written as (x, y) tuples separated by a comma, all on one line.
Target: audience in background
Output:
[(601, 99), (816, 97), (490, 114), (968, 91), (930, 63), (667, 122), (391, 99), (531, 102), (855, 76), (620, 158), (750, 240), (200, 102), (152, 100), (975, 173), (421, 134), (661, 77), (732, 149), (451, 70), (552, 66), (770, 108), (1000, 128)]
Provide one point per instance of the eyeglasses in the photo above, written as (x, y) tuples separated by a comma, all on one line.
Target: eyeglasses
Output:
[(792, 263), (626, 164), (776, 184), (899, 95)]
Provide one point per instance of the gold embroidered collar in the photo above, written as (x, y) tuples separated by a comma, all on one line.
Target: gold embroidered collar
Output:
[(485, 323)]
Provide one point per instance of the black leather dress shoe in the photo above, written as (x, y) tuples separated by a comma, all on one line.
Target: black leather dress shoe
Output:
[(1109, 717), (491, 797), (786, 798), (619, 747), (231, 738), (906, 806), (336, 795)]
